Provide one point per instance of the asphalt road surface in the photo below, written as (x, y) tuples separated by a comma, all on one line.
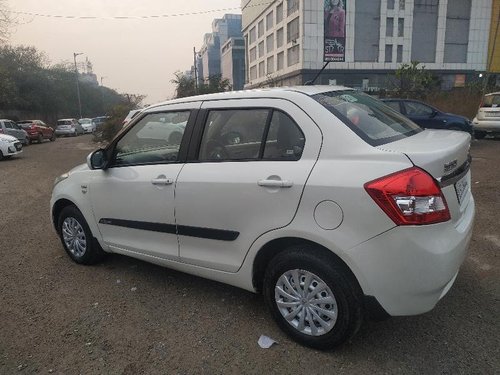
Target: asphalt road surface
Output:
[(129, 317)]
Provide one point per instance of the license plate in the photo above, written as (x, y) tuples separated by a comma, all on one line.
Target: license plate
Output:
[(461, 187), (492, 114)]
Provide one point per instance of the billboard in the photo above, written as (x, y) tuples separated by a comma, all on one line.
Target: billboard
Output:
[(334, 40)]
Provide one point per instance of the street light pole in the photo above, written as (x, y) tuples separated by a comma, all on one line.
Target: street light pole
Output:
[(102, 93), (77, 83)]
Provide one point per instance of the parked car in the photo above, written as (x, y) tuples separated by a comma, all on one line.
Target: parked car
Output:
[(69, 126), (429, 117), (37, 130), (9, 146), (487, 120), (324, 199), (88, 125), (99, 121), (11, 128)]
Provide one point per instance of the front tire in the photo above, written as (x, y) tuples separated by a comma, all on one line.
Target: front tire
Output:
[(77, 238), (479, 134), (312, 298)]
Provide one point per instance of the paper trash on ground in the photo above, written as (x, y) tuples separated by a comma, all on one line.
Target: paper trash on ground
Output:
[(266, 342)]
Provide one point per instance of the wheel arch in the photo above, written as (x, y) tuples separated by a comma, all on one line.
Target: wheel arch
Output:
[(57, 208), (279, 245)]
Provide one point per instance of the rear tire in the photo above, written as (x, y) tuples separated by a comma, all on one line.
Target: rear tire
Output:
[(76, 237), (320, 325), (53, 137), (479, 134), (39, 138)]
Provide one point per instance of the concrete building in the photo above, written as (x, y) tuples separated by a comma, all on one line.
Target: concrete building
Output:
[(233, 62), (223, 29), (285, 40)]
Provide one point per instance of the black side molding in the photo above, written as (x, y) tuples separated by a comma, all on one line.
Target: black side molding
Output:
[(181, 230)]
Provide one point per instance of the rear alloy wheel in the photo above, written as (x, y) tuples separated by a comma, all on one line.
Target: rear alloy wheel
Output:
[(313, 299), (77, 238)]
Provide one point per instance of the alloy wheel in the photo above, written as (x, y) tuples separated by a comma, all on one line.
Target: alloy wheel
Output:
[(74, 236)]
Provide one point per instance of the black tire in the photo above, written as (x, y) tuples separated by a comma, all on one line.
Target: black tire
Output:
[(456, 128), (1, 155), (93, 252), (479, 134), (39, 138), (53, 137), (345, 290)]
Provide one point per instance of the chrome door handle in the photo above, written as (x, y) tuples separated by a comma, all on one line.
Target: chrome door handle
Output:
[(162, 180), (275, 183)]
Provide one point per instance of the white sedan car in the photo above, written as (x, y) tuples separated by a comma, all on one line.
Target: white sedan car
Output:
[(9, 146), (323, 199)]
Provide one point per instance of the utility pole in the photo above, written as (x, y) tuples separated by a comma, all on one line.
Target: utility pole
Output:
[(102, 93), (195, 72), (77, 83)]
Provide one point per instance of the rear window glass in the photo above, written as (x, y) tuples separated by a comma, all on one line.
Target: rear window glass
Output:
[(490, 101), (63, 122), (369, 118)]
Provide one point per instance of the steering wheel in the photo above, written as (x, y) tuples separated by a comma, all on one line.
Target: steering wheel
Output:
[(216, 150)]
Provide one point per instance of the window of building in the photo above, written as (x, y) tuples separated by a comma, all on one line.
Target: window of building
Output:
[(270, 43), (270, 65), (253, 72), (293, 55), (401, 4), (292, 6), (262, 71), (155, 139), (252, 35), (292, 30), (390, 4), (399, 57), (233, 134), (261, 49), (260, 28), (269, 20), (388, 53), (401, 26), (253, 54), (279, 13), (279, 38), (389, 27), (280, 62)]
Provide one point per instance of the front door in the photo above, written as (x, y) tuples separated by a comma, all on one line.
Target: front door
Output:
[(133, 200), (254, 158), (423, 115)]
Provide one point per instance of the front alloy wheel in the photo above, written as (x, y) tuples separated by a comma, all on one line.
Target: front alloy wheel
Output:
[(74, 237)]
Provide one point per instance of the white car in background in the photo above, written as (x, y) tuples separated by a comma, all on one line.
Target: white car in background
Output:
[(324, 199), (9, 146), (487, 120), (87, 124)]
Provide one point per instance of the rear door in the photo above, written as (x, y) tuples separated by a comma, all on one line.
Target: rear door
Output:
[(244, 178)]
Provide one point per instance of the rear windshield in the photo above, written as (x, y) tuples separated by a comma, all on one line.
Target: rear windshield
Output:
[(85, 121), (369, 118), (490, 101), (63, 122)]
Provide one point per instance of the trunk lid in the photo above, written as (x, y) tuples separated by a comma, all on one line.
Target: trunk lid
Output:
[(445, 155)]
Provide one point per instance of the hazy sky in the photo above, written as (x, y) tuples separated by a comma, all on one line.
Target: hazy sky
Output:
[(137, 56)]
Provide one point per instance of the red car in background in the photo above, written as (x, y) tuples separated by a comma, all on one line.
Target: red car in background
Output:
[(37, 130)]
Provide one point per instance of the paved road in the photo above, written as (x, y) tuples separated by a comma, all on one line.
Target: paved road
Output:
[(130, 317)]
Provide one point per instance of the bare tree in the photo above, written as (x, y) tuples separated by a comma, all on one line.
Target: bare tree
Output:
[(5, 21)]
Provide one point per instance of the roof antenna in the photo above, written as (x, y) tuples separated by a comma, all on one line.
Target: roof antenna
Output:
[(310, 83)]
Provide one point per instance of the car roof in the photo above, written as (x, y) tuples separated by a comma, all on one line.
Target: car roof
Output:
[(278, 92), (66, 119), (493, 93)]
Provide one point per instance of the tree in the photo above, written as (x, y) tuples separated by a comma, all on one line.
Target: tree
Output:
[(5, 22), (415, 81), (186, 85)]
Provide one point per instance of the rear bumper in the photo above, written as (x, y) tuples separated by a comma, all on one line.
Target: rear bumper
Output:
[(409, 269), (65, 131), (486, 125)]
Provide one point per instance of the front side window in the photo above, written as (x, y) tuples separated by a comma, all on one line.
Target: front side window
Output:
[(369, 118), (418, 109), (155, 139), (394, 105)]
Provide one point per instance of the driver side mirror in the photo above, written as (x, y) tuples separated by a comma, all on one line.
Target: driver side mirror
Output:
[(97, 159)]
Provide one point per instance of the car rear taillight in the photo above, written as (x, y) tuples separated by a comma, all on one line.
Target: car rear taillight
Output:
[(1, 131), (410, 197)]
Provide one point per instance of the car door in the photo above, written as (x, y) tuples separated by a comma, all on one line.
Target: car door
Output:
[(394, 104), (133, 199), (245, 178), (423, 115)]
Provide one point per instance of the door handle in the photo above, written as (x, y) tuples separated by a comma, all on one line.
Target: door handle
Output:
[(275, 183), (162, 180)]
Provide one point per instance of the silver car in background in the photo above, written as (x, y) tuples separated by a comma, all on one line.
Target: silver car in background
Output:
[(88, 125), (69, 126), (11, 128), (487, 120)]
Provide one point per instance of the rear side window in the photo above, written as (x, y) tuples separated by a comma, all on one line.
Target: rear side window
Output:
[(418, 109), (491, 101), (251, 134), (369, 118), (394, 105)]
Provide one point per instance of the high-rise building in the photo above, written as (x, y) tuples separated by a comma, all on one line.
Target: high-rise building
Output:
[(233, 62), (366, 40)]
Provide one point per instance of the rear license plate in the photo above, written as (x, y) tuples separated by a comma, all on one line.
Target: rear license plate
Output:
[(461, 187), (492, 114)]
